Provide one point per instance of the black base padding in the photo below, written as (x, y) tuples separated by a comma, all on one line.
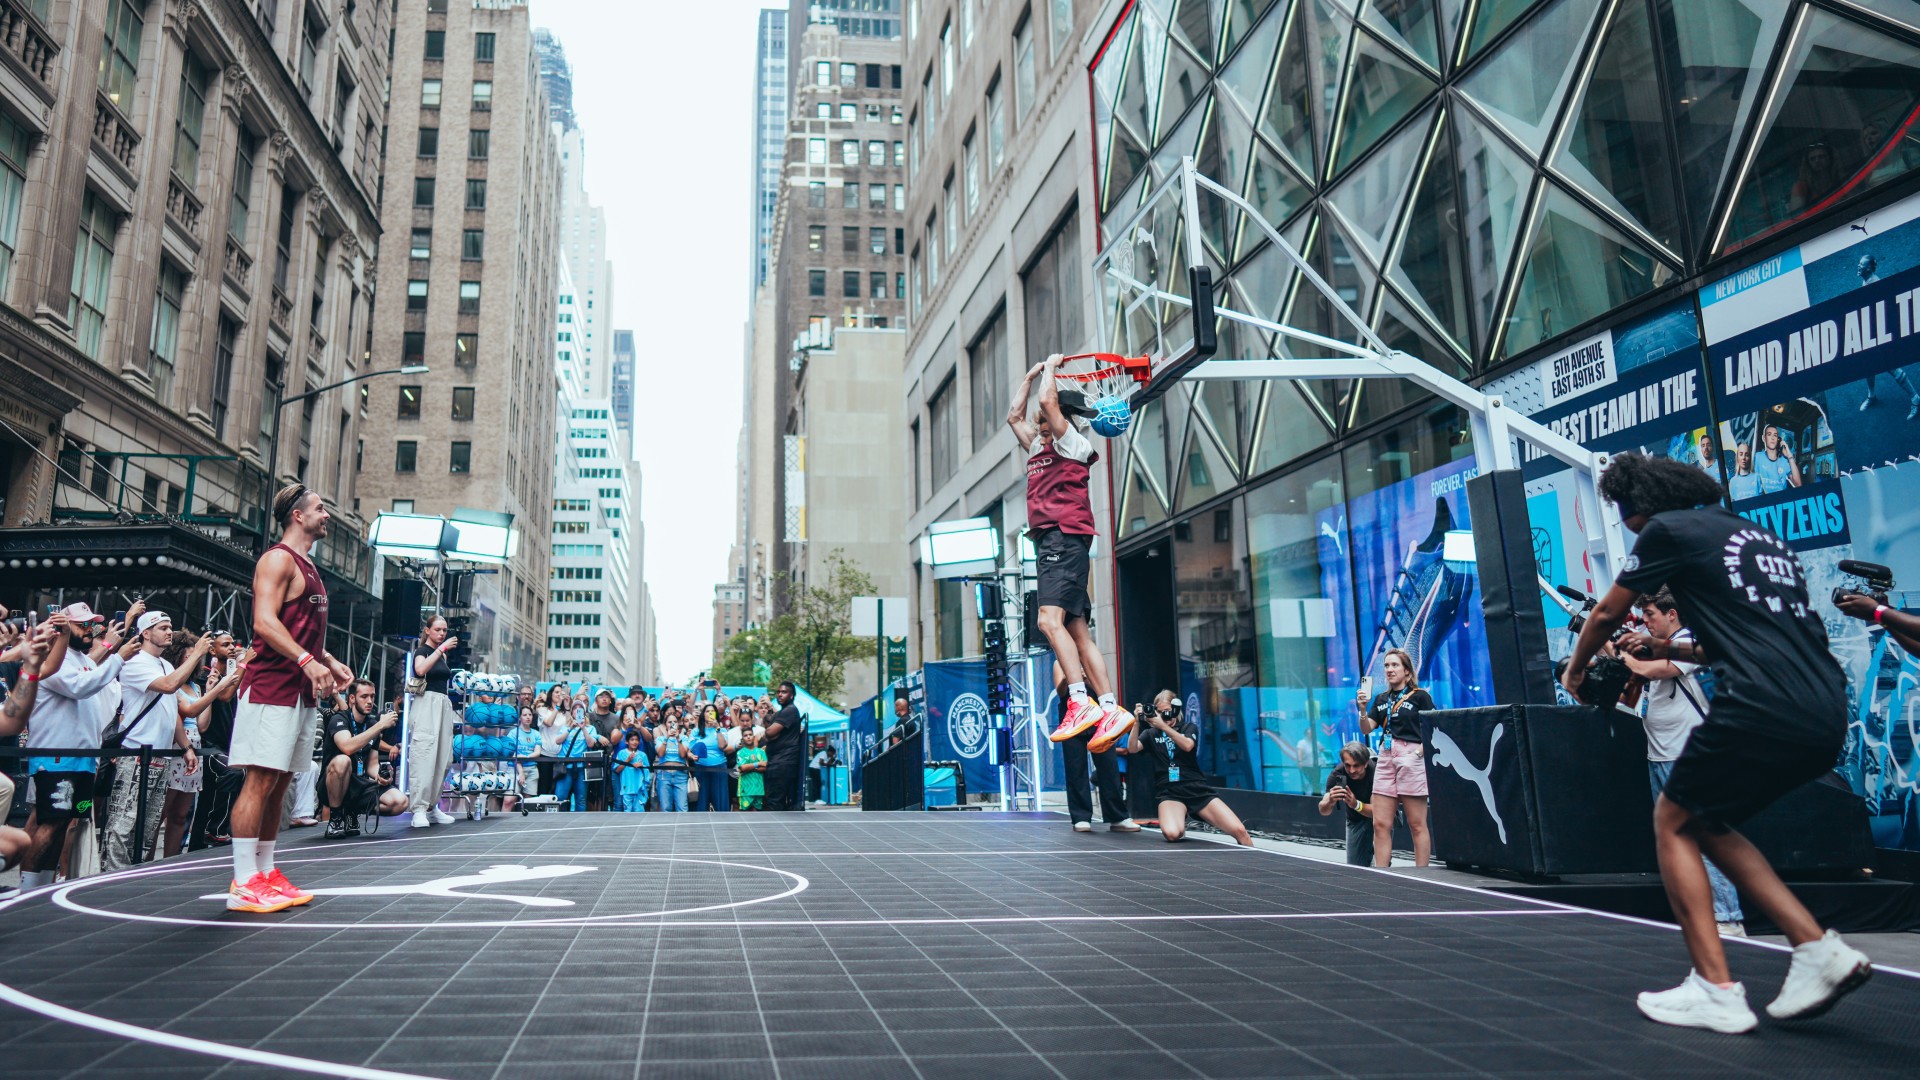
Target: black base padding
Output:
[(1851, 907)]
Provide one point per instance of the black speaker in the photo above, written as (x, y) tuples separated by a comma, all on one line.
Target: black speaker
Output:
[(456, 589), (1030, 636), (400, 607), (1510, 589)]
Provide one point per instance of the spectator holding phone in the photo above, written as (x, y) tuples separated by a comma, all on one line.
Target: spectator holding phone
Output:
[(581, 740), (1400, 778), (670, 758), (709, 757), (1350, 786)]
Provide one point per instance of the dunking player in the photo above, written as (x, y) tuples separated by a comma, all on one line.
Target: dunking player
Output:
[(1778, 721), (1060, 520), (273, 727)]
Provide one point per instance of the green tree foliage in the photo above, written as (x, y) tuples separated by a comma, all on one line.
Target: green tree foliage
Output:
[(815, 626)]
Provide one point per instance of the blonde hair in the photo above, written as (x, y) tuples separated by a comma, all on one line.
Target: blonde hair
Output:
[(1413, 670)]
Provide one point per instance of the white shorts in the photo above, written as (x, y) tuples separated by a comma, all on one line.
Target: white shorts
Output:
[(277, 737)]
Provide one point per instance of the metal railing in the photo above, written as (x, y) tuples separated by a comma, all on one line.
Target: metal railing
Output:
[(147, 755)]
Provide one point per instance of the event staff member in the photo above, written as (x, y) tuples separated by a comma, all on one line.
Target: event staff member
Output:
[(357, 783), (1777, 721), (151, 712), (786, 744), (1060, 515), (1400, 775), (430, 723), (1105, 774), (1167, 740), (273, 728), (1350, 785)]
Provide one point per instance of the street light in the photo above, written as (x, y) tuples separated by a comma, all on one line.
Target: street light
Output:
[(273, 448)]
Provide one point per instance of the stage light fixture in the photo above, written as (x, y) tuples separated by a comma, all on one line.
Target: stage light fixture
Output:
[(961, 548), (484, 536), (408, 536)]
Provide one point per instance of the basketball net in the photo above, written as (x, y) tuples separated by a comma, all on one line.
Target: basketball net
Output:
[(1098, 375)]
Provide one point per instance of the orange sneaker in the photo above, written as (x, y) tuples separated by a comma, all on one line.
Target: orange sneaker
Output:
[(257, 895), (1113, 727), (1081, 715), (287, 888)]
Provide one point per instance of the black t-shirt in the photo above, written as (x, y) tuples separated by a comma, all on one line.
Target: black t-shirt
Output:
[(1744, 596), (1362, 788), (1162, 752), (437, 676), (787, 746), (342, 723), (1406, 707)]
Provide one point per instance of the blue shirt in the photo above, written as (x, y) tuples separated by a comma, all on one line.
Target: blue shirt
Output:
[(1772, 474), (667, 750), (578, 742), (527, 742), (1742, 486), (632, 780), (712, 753)]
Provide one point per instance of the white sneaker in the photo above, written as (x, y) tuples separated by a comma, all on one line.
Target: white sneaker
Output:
[(419, 819), (1125, 824), (1821, 974), (1732, 928), (1083, 826), (1698, 1003), (440, 817)]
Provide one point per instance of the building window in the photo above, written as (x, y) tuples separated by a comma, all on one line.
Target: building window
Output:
[(817, 196), (422, 245), (406, 458), (483, 48), (849, 74), (312, 31), (944, 431), (430, 93), (463, 403), (816, 283), (849, 239), (899, 153), (476, 194), (899, 202), (996, 125), (436, 45), (416, 295), (933, 252), (987, 378), (897, 118), (1023, 73), (816, 151), (473, 244), (223, 348), (423, 191), (877, 285), (899, 285), (919, 290), (1053, 292), (469, 298), (850, 284), (410, 396), (877, 240), (816, 237), (120, 58), (240, 203), (849, 196), (466, 348), (822, 73), (946, 60), (847, 112), (970, 173), (1059, 25), (413, 350), (877, 153), (479, 142), (953, 218), (163, 339), (913, 432), (823, 110), (876, 196), (189, 122), (92, 273), (482, 96), (15, 144), (429, 145), (850, 152), (460, 457)]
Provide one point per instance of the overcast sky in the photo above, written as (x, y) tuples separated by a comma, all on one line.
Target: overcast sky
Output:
[(664, 95)]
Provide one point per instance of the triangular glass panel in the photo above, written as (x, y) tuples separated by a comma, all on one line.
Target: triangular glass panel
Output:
[(1287, 115), (1431, 265), (1288, 426), (1259, 286), (1411, 24), (1324, 33), (1225, 151), (1368, 200), (1114, 215), (1717, 58), (1494, 180), (1331, 256), (1204, 472), (1150, 48), (1523, 82), (1184, 81), (1490, 17), (1245, 78), (1405, 331), (1578, 266), (1184, 142), (1144, 501), (1843, 126), (1237, 19), (1214, 410), (1193, 26), (1125, 158), (1616, 144), (1177, 404), (1274, 190), (1904, 12), (1383, 89)]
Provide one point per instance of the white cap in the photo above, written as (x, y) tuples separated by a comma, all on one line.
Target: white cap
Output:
[(81, 613), (151, 619)]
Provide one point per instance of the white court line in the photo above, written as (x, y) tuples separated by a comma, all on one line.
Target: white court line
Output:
[(983, 920)]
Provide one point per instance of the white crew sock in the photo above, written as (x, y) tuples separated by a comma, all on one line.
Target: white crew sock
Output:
[(1108, 701), (246, 859), (34, 879), (265, 856), (1077, 691)]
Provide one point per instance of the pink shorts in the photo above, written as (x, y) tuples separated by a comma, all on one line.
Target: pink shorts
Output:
[(1401, 770)]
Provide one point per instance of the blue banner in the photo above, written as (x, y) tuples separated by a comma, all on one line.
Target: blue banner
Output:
[(958, 727)]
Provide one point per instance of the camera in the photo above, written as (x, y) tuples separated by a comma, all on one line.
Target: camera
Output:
[(1872, 579), (1607, 676)]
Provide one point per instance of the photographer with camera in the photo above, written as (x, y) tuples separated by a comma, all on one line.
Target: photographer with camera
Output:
[(358, 782), (670, 757), (1350, 785), (1869, 603), (1400, 778), (1165, 741), (1778, 720), (1676, 704)]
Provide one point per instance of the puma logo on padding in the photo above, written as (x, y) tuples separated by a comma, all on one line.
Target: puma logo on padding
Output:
[(1447, 754)]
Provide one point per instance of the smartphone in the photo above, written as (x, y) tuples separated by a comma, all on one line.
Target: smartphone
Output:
[(1366, 685), (119, 616)]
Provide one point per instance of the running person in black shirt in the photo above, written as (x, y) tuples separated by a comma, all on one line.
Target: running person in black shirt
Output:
[(1167, 740), (1777, 722)]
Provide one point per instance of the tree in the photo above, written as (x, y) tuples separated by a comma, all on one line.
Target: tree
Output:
[(810, 641)]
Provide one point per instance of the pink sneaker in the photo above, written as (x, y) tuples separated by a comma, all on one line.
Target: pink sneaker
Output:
[(278, 882), (1081, 715), (1113, 727)]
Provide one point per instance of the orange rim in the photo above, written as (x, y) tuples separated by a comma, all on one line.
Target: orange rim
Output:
[(1139, 368)]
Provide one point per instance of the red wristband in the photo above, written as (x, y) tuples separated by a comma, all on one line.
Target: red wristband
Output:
[(1879, 610), (305, 659), (33, 676)]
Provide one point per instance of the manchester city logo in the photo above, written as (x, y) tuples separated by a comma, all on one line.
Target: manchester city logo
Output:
[(1193, 707), (967, 725)]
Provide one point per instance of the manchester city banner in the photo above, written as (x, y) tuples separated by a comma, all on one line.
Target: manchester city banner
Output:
[(958, 728)]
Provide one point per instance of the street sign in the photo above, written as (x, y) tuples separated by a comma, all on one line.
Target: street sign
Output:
[(868, 612), (896, 658)]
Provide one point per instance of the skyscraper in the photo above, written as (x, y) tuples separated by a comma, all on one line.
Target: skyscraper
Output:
[(556, 77), (853, 18), (770, 97), (623, 359), (583, 243)]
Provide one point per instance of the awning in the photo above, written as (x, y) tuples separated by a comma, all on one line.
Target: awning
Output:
[(149, 556)]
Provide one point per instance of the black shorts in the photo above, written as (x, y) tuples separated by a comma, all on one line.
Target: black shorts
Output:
[(59, 797), (1727, 774), (1064, 563), (1196, 794)]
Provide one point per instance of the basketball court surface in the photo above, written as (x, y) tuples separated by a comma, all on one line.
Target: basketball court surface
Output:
[(849, 946)]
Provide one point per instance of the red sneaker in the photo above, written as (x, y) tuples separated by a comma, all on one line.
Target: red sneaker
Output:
[(294, 894), (1081, 715), (1113, 727), (257, 895)]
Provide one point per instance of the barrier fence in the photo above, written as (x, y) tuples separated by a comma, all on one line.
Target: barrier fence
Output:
[(147, 755)]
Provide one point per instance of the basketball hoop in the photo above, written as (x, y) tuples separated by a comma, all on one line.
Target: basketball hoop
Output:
[(1107, 379)]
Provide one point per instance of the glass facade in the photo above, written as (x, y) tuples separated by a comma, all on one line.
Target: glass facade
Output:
[(1500, 189)]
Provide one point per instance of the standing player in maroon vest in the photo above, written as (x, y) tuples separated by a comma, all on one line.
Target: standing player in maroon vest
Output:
[(1060, 524), (274, 724)]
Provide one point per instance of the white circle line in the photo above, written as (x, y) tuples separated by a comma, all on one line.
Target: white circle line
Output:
[(983, 920), (63, 897)]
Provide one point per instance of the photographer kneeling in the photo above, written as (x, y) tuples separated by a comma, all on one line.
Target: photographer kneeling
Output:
[(357, 782), (1168, 740), (1351, 785)]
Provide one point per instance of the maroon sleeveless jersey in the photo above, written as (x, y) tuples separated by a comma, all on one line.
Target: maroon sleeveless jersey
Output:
[(273, 679), (1057, 491)]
